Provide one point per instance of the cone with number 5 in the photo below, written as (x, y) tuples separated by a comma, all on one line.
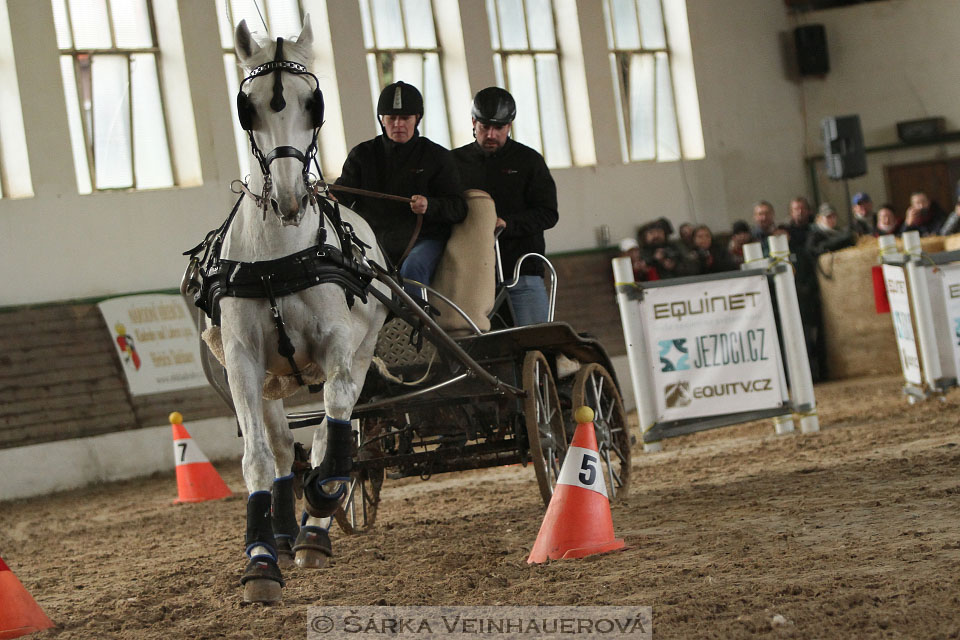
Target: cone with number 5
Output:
[(197, 480), (578, 521)]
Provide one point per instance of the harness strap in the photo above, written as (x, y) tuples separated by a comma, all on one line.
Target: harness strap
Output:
[(284, 346)]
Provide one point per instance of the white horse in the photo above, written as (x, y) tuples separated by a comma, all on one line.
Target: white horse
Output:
[(281, 106)]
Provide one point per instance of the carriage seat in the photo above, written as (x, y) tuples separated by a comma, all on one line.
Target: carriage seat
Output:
[(466, 271)]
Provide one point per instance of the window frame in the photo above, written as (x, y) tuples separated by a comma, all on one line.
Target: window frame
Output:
[(86, 116), (619, 59), (376, 53)]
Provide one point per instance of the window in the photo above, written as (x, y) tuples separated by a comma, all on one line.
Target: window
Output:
[(401, 41), (646, 74), (109, 61), (523, 34)]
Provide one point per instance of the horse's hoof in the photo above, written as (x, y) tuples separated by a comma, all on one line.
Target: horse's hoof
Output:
[(262, 590), (262, 581), (318, 503), (313, 548), (311, 559)]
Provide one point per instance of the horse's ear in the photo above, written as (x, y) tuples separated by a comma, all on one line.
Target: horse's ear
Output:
[(305, 39), (246, 46)]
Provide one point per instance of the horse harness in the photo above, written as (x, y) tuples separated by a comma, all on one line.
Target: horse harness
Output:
[(209, 277)]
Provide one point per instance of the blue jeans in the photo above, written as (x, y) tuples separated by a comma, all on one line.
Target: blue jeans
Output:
[(421, 263), (529, 300)]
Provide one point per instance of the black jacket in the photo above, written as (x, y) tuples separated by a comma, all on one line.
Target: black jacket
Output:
[(517, 179), (419, 166)]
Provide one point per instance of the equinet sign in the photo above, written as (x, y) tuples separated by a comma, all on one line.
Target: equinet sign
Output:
[(679, 309)]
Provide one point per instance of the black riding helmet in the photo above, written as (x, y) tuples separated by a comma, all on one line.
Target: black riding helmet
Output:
[(400, 99), (494, 105)]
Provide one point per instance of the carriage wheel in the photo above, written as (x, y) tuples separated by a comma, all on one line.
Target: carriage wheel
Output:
[(357, 512), (594, 387), (545, 430)]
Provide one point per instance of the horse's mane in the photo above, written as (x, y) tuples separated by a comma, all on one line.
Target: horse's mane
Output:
[(292, 51)]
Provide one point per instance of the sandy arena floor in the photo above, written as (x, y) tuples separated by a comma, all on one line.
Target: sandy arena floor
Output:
[(850, 533)]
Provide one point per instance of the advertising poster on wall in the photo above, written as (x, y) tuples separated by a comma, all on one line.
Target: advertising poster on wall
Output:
[(157, 342), (895, 279), (714, 348)]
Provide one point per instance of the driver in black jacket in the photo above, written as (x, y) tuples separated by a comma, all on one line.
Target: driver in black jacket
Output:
[(404, 163), (517, 179)]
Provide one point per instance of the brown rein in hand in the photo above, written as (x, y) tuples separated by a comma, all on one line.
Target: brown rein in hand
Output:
[(386, 196)]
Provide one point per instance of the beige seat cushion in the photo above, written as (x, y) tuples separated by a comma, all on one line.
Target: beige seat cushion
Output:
[(465, 273)]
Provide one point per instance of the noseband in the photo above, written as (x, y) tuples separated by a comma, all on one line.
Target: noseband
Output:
[(246, 114)]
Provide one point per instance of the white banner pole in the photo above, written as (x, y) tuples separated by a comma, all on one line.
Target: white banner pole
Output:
[(753, 259), (798, 363), (920, 305), (637, 354)]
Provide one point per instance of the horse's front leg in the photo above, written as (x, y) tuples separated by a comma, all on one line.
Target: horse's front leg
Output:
[(261, 580), (283, 514), (332, 459)]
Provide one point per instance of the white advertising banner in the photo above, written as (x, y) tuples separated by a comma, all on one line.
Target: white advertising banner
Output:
[(157, 341), (895, 280), (948, 329), (713, 347)]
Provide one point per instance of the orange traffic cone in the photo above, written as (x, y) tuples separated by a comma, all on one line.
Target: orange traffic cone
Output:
[(197, 480), (578, 521), (19, 612)]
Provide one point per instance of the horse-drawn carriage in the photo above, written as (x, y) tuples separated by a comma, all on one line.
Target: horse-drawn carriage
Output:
[(303, 294), (481, 394)]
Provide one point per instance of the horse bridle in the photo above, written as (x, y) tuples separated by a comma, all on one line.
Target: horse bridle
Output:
[(246, 113)]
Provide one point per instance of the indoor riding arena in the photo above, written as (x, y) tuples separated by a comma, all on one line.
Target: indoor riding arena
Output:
[(208, 430)]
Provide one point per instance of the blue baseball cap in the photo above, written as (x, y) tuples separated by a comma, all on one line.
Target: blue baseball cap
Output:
[(861, 197)]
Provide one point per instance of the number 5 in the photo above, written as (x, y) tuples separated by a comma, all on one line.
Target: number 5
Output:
[(589, 473)]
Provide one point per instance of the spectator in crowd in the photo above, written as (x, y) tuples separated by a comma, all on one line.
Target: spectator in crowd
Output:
[(923, 215), (952, 224), (740, 236), (658, 252), (402, 162), (525, 195), (825, 236), (887, 221), (764, 224), (709, 257), (799, 226), (686, 236), (864, 220), (642, 272)]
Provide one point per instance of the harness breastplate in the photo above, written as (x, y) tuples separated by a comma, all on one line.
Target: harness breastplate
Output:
[(322, 263)]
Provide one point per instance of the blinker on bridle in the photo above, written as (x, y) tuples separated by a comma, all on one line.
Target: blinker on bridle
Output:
[(245, 112)]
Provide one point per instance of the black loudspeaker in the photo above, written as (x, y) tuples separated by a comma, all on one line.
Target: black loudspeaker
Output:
[(843, 148), (811, 43)]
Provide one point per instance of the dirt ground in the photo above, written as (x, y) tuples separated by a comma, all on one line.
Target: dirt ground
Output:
[(850, 533)]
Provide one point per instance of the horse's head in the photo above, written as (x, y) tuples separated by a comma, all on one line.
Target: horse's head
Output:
[(281, 108)]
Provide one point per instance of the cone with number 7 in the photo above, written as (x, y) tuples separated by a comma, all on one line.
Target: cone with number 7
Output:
[(578, 521), (197, 480)]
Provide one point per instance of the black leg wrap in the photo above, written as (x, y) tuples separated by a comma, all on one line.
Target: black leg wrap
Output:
[(336, 464), (259, 528), (262, 568), (284, 518), (314, 538), (284, 509)]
